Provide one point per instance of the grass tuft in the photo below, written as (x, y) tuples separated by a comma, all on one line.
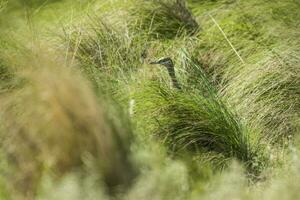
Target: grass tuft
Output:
[(268, 93), (199, 120), (164, 19)]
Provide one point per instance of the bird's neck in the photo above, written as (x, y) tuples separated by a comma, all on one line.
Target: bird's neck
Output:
[(171, 72)]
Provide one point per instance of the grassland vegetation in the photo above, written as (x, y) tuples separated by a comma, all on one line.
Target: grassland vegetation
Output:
[(83, 115)]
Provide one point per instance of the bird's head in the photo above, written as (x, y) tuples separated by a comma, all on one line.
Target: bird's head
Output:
[(167, 62)]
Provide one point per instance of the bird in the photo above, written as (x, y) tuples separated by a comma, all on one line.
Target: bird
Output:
[(168, 63)]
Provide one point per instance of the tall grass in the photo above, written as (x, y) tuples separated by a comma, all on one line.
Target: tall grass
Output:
[(107, 54), (265, 90), (94, 121), (6, 76), (283, 184), (199, 120), (101, 45), (268, 93), (54, 123), (164, 19)]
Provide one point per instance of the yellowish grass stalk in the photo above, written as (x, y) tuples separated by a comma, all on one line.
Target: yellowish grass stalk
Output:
[(225, 36)]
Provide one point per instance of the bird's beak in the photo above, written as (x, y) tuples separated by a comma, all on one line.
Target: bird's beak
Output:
[(154, 63)]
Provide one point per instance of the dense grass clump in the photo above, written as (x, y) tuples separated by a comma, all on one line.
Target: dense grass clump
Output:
[(268, 93), (164, 19), (198, 120), (103, 46), (106, 54)]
